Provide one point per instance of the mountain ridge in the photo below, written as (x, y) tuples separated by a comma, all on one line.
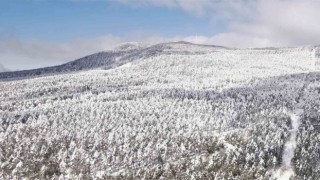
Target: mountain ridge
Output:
[(125, 53), (112, 58)]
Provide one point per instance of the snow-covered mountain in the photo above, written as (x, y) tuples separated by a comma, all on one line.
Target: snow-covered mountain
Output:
[(116, 57), (166, 111)]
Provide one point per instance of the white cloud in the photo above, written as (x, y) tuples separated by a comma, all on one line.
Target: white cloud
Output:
[(21, 54), (294, 22), (230, 40), (43, 49), (18, 54), (3, 69), (253, 23), (198, 7)]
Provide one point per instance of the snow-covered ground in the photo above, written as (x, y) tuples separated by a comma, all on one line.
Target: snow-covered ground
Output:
[(286, 170), (165, 111)]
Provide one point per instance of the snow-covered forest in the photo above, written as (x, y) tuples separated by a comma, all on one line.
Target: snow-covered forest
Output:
[(168, 111)]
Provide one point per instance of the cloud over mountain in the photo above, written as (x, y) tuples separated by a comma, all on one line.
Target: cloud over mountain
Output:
[(37, 53), (252, 23)]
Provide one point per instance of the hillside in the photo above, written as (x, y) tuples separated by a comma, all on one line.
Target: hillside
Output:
[(111, 59), (166, 111)]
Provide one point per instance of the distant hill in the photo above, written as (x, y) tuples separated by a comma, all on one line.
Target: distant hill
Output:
[(113, 58)]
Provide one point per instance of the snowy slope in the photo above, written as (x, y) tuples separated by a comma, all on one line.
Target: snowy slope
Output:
[(106, 59), (170, 111), (110, 59)]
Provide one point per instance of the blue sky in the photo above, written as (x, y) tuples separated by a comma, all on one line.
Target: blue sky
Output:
[(38, 33), (64, 20)]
